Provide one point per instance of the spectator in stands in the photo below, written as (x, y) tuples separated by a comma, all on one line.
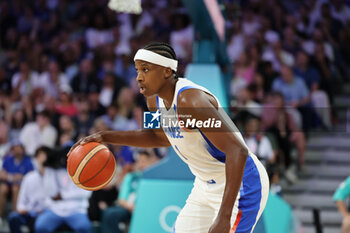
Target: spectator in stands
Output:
[(126, 103), (32, 194), (15, 165), (53, 80), (295, 94), (66, 127), (245, 67), (110, 89), (324, 66), (261, 145), (68, 205), (5, 82), (340, 196), (38, 133), (258, 87), (278, 120), (4, 142), (268, 73), (257, 142), (124, 68), (275, 54), (18, 120), (113, 216), (96, 108), (304, 70), (236, 44), (83, 121), (98, 34), (310, 75), (291, 43), (24, 81), (181, 38), (86, 81), (65, 103), (245, 106)]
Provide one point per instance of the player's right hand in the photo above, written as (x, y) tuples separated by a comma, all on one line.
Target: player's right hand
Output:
[(96, 137)]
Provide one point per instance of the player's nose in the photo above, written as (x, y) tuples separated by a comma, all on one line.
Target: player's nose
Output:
[(139, 78)]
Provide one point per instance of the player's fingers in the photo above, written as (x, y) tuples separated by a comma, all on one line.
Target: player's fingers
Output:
[(74, 146), (92, 138)]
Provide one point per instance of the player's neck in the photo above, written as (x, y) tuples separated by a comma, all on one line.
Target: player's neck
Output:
[(167, 92)]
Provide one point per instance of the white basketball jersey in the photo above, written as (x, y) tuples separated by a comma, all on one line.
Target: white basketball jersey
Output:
[(193, 147)]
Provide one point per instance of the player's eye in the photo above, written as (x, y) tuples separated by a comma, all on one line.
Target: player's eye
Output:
[(145, 69)]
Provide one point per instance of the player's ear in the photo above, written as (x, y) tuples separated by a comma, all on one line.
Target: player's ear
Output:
[(168, 73)]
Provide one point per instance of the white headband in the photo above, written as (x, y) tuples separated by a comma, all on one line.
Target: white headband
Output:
[(152, 57)]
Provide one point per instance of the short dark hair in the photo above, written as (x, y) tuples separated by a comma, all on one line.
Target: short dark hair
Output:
[(44, 113), (44, 149), (163, 49)]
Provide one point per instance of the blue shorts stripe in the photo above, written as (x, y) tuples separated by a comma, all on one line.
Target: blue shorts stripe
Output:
[(250, 198)]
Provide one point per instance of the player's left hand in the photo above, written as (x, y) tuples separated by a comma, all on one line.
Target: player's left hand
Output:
[(220, 226)]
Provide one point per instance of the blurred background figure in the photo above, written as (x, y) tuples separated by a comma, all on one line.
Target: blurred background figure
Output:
[(67, 206), (15, 165), (113, 217), (66, 66), (40, 132), (261, 145), (32, 193), (341, 197)]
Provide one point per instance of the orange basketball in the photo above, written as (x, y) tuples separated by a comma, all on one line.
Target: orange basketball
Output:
[(91, 166)]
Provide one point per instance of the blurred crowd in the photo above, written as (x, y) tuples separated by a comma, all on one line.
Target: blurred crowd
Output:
[(289, 60), (66, 71)]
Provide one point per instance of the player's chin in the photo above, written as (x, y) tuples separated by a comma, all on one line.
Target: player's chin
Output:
[(146, 92)]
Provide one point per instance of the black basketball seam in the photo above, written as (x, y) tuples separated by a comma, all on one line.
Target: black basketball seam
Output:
[(109, 158), (80, 160)]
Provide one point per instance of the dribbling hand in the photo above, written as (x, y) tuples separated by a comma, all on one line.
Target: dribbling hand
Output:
[(220, 226), (96, 137)]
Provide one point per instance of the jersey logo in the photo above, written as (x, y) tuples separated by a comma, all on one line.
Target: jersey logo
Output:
[(211, 181), (151, 120), (173, 132)]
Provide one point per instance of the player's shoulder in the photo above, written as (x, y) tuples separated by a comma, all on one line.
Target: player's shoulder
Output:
[(192, 97), (195, 96)]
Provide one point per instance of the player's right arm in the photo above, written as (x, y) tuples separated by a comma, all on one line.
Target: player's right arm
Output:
[(136, 138)]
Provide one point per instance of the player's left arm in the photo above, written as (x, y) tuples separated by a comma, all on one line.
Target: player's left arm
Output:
[(199, 105)]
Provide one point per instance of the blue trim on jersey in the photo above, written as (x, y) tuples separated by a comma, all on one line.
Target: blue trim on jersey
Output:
[(157, 98), (215, 152), (250, 197), (184, 88), (180, 152)]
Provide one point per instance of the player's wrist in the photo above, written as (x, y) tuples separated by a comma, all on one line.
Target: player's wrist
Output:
[(102, 135), (224, 215)]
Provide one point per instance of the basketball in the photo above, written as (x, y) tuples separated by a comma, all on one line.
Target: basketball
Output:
[(91, 166)]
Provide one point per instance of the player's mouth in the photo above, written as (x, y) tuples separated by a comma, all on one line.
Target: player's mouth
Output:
[(142, 89)]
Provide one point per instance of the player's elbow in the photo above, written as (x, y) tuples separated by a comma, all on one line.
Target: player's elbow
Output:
[(239, 150), (243, 151)]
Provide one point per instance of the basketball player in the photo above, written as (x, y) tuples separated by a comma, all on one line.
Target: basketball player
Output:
[(231, 185)]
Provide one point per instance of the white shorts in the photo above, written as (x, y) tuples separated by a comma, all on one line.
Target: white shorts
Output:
[(205, 199)]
